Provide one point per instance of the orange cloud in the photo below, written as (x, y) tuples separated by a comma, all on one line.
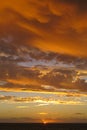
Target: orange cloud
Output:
[(23, 81), (54, 25)]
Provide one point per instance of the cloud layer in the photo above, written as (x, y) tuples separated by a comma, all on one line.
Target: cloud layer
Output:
[(54, 25), (37, 70), (42, 80)]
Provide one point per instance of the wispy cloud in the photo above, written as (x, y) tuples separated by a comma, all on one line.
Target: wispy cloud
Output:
[(57, 98)]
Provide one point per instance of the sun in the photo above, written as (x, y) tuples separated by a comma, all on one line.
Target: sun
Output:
[(44, 122)]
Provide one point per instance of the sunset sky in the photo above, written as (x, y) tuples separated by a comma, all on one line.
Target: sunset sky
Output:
[(43, 61)]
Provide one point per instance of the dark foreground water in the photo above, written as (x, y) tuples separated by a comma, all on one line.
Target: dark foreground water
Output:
[(33, 126)]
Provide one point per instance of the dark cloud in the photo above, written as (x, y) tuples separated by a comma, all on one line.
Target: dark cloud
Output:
[(79, 113), (81, 84), (52, 69), (81, 4), (5, 98)]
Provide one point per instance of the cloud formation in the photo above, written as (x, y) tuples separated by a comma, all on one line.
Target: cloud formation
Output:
[(53, 25), (43, 59), (37, 70), (40, 77), (42, 99)]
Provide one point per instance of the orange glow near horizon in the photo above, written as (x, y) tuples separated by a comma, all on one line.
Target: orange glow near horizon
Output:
[(46, 121)]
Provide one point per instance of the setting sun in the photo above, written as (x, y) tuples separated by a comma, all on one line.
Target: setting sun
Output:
[(46, 121)]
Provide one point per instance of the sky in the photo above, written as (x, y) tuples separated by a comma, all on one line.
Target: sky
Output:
[(43, 61)]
